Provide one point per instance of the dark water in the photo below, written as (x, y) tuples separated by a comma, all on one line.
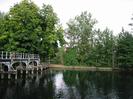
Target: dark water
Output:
[(55, 84)]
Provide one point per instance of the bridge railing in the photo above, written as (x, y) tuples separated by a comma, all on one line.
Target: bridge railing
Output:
[(14, 55), (4, 55)]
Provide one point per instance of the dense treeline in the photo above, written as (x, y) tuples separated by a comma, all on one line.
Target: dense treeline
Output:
[(93, 47), (30, 29)]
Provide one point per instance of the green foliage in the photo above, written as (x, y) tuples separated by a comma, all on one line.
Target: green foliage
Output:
[(27, 28), (93, 47), (125, 50), (3, 36), (48, 33), (70, 57), (102, 50), (22, 23), (59, 58), (80, 33)]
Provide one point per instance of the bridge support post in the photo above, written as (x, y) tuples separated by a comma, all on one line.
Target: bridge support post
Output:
[(9, 76), (26, 71), (32, 71), (16, 76), (21, 71), (2, 76)]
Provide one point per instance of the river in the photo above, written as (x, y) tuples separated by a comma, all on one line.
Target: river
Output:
[(68, 84)]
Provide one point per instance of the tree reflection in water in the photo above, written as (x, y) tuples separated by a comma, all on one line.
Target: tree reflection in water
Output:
[(99, 85), (55, 84)]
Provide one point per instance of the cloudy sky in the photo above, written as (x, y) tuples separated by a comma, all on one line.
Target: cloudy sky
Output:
[(114, 14)]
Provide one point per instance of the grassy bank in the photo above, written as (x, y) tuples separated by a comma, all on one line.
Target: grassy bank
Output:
[(58, 66)]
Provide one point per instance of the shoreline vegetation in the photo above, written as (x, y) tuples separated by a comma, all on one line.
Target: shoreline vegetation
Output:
[(87, 68)]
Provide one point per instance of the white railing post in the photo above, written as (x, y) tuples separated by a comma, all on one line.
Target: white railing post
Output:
[(33, 56), (2, 55), (28, 56), (23, 55)]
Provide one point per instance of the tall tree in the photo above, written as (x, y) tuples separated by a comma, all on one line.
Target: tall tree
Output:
[(93, 47), (80, 34), (51, 33), (3, 36), (103, 48), (26, 28), (22, 27), (125, 50)]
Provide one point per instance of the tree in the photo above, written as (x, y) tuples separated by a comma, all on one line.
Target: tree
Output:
[(93, 47), (26, 28), (51, 33), (124, 50), (103, 48), (80, 33), (71, 58), (2, 14), (21, 27), (3, 36)]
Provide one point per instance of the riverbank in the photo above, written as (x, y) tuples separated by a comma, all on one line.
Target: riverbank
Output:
[(58, 66)]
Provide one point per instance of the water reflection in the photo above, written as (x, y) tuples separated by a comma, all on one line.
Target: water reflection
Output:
[(54, 84), (60, 87), (90, 85)]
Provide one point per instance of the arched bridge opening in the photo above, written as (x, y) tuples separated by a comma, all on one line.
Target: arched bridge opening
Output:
[(4, 67), (33, 63), (18, 65)]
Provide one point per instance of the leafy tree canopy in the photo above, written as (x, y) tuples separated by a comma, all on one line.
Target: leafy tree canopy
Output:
[(27, 28)]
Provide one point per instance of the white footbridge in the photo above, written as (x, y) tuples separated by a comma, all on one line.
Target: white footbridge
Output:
[(10, 61)]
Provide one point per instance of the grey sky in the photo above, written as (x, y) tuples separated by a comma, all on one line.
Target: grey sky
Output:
[(113, 14)]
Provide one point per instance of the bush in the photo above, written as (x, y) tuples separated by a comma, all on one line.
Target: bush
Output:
[(70, 58)]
